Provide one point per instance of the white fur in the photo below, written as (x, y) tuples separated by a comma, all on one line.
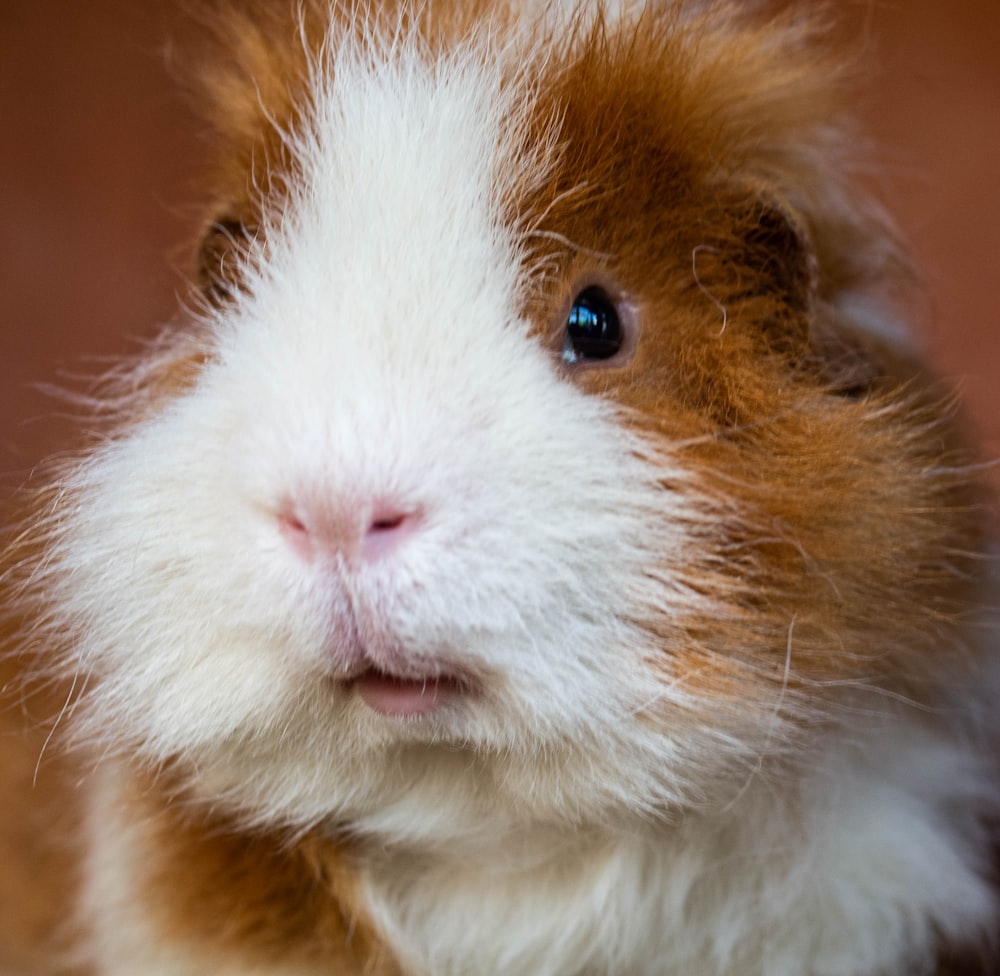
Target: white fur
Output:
[(584, 815), (853, 876)]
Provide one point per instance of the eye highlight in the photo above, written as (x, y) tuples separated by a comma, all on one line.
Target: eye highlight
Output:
[(593, 328)]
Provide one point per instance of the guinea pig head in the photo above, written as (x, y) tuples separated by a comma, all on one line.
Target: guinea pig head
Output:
[(533, 450)]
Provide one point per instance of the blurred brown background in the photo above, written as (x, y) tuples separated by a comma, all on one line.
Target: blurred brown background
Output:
[(99, 158)]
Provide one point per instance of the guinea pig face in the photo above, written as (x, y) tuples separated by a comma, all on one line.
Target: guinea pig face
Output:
[(436, 510), (384, 520)]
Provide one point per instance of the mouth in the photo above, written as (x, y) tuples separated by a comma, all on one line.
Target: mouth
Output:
[(402, 697)]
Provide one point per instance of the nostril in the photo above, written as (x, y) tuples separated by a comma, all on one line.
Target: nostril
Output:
[(292, 523), (387, 523), (294, 528), (388, 527)]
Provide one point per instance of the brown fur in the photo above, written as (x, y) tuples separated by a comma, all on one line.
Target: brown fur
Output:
[(38, 827), (262, 897)]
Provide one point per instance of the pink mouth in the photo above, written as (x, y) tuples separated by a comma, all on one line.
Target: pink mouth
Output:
[(404, 697)]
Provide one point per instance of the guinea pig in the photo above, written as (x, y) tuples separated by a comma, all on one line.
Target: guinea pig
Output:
[(536, 549)]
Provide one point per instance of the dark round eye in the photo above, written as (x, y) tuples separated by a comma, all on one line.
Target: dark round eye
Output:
[(593, 328)]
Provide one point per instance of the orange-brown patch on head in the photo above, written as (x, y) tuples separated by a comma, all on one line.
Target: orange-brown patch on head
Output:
[(702, 170), (679, 177), (259, 896)]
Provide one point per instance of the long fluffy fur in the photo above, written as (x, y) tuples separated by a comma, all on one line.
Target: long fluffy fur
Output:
[(710, 618)]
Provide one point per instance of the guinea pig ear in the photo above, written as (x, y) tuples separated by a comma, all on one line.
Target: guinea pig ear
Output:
[(772, 262), (221, 257), (778, 253), (780, 281)]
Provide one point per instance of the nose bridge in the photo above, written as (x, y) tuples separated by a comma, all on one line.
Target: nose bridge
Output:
[(386, 370), (414, 316), (399, 315), (366, 478)]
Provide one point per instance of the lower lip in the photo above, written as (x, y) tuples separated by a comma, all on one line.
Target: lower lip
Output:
[(404, 697)]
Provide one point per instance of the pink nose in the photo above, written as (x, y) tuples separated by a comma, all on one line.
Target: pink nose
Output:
[(360, 532)]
